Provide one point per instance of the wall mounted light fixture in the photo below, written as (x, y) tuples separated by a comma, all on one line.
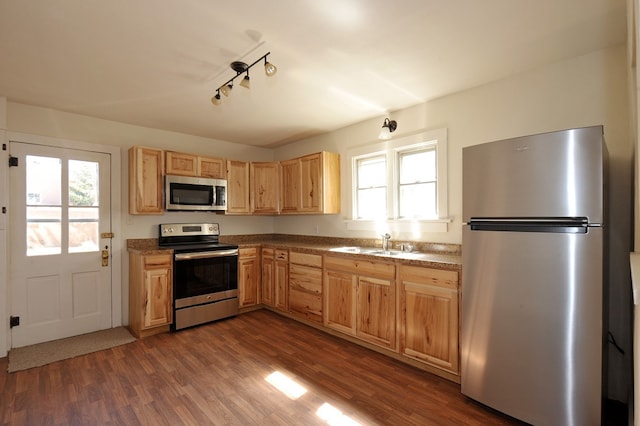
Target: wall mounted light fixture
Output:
[(242, 68), (388, 127)]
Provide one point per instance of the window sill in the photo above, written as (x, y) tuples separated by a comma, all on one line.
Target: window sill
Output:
[(400, 225)]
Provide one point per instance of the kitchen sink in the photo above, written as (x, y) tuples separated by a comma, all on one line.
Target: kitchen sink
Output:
[(387, 252), (367, 250), (358, 250)]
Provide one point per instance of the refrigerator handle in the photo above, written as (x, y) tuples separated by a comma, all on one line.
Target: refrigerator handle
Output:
[(573, 225)]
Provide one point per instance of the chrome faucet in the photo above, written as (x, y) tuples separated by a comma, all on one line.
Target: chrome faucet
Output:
[(385, 241)]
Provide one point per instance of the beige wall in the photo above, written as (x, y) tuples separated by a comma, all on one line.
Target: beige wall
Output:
[(583, 91)]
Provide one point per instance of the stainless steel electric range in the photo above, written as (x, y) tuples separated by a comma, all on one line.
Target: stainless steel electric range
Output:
[(205, 273)]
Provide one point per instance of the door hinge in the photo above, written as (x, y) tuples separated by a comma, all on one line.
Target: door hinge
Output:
[(4, 146), (14, 321), (13, 161), (4, 210)]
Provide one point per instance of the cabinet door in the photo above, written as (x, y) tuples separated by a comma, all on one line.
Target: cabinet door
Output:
[(311, 183), (264, 187), (146, 168), (178, 163), (248, 277), (211, 167), (375, 313), (281, 286), (268, 266), (238, 187), (340, 306), (429, 317), (158, 298), (289, 186)]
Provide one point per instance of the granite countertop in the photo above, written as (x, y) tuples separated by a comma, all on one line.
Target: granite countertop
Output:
[(425, 254)]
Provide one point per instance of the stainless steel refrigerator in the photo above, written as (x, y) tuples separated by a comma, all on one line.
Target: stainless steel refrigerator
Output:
[(533, 254)]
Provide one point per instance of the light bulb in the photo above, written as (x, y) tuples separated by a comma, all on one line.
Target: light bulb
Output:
[(216, 99)]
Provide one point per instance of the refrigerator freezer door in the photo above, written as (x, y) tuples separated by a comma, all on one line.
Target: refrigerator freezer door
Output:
[(558, 174), (531, 343)]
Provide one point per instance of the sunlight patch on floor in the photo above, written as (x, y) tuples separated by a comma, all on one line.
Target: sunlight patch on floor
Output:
[(286, 385), (334, 417)]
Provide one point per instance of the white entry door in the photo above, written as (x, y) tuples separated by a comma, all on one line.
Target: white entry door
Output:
[(59, 212)]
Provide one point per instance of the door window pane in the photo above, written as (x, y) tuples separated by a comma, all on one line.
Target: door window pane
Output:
[(44, 212), (83, 206), (83, 229), (83, 183)]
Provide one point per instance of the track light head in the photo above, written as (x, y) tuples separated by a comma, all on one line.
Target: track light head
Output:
[(216, 99), (226, 89), (241, 67), (246, 83), (388, 127), (269, 69)]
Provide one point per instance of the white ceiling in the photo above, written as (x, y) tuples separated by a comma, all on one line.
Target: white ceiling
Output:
[(156, 63)]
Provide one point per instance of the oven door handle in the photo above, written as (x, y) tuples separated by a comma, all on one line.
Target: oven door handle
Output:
[(205, 254)]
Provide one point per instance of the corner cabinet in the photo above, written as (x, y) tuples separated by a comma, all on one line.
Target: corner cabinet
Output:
[(311, 184), (264, 188), (150, 293), (429, 316), (146, 170)]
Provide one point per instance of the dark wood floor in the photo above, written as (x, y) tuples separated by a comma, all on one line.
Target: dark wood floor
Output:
[(215, 374)]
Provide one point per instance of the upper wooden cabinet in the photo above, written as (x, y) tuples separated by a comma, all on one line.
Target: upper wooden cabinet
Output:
[(311, 184), (238, 199), (211, 167), (179, 163), (264, 188), (146, 166), (290, 186)]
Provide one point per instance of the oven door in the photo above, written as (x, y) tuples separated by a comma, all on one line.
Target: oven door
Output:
[(201, 277)]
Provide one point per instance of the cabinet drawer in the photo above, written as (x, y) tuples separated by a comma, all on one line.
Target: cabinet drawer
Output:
[(307, 304), (304, 278), (157, 261), (248, 252), (282, 255), (429, 276), (361, 267), (314, 260)]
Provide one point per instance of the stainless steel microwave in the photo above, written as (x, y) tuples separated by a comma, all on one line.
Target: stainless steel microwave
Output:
[(188, 193)]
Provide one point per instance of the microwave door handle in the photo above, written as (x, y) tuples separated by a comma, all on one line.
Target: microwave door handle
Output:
[(205, 254)]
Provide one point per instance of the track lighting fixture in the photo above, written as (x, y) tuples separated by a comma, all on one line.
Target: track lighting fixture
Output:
[(242, 68), (388, 127)]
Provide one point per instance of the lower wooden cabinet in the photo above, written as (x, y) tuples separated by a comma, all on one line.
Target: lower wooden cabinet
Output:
[(281, 280), (305, 285), (429, 309), (361, 299), (267, 291), (248, 277), (150, 293)]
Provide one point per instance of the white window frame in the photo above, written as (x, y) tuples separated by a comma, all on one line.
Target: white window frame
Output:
[(390, 148)]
